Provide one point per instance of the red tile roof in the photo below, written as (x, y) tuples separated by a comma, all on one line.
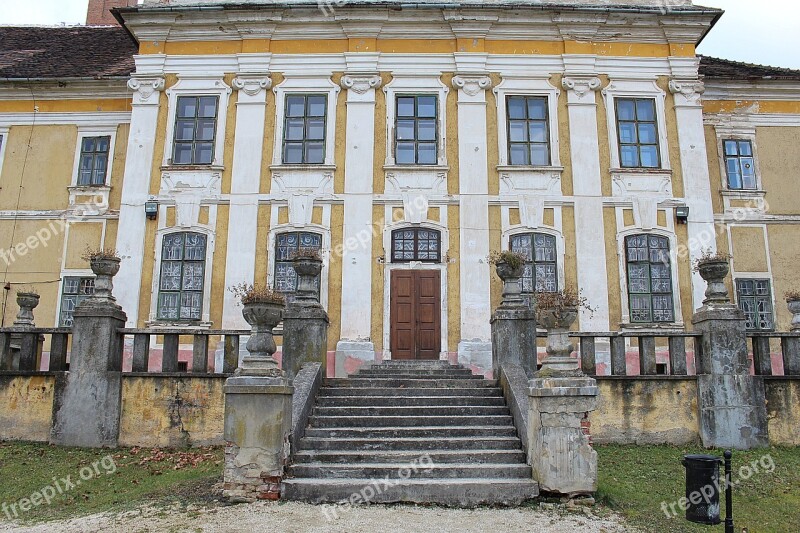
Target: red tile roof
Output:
[(713, 67), (65, 52)]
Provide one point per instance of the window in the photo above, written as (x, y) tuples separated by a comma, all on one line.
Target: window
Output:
[(180, 294), (649, 279), (93, 160), (304, 129), (416, 130), (195, 130), (755, 300), (540, 272), (528, 135), (638, 133), (285, 245), (74, 291), (416, 244), (739, 164)]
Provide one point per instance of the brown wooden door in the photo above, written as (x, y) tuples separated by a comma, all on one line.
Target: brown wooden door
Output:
[(415, 314)]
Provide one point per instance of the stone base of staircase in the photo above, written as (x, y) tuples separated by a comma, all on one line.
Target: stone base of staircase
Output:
[(419, 432)]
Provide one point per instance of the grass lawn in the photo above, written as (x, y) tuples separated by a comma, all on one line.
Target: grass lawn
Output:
[(635, 480), (103, 479)]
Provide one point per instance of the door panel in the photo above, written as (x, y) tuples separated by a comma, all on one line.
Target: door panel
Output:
[(415, 314)]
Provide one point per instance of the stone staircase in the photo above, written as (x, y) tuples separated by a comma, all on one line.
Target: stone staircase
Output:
[(408, 431)]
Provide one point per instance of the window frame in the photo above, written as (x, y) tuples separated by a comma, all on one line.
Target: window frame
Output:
[(637, 122), (194, 141), (278, 261), (768, 299), (416, 119), (197, 86), (202, 291), (555, 262), (674, 296), (84, 132), (304, 141), (527, 120), (416, 230), (724, 157), (641, 88), (81, 277)]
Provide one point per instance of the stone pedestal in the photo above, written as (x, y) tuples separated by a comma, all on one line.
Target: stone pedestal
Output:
[(305, 337), (87, 413), (732, 402), (351, 355), (514, 338), (258, 424), (560, 452)]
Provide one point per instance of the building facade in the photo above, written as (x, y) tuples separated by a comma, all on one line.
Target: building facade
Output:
[(404, 143)]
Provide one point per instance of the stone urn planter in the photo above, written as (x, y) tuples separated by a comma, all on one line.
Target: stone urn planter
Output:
[(27, 302), (557, 322), (793, 303), (308, 269), (104, 267), (510, 267), (262, 317), (713, 271)]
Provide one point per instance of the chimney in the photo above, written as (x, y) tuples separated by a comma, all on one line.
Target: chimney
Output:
[(99, 12)]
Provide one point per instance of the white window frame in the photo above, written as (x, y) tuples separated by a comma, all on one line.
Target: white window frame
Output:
[(94, 131), (636, 89), (416, 84), (527, 86), (560, 247), (69, 273), (755, 196), (3, 144), (306, 84), (325, 249), (623, 280), (198, 86)]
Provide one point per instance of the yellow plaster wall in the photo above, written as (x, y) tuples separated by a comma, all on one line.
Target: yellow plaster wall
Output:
[(672, 138), (684, 274), (714, 172), (749, 249), (570, 252), (26, 407), (612, 268), (335, 278), (82, 235), (492, 148), (564, 147), (451, 137), (752, 106), (88, 105), (218, 287), (453, 279), (779, 162), (783, 411), (38, 167), (784, 257), (378, 280), (602, 138), (340, 146), (171, 412), (378, 175), (495, 243), (646, 411), (269, 138)]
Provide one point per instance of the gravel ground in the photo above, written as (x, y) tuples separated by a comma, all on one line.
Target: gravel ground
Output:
[(298, 517)]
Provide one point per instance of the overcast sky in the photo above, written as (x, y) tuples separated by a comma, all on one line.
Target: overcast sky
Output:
[(766, 32)]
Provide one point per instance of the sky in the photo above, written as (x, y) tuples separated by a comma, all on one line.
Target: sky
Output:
[(765, 32)]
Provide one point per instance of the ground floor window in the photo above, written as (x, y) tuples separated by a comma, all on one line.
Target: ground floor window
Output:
[(416, 244), (183, 261), (755, 300), (649, 279), (74, 290), (286, 244), (539, 249)]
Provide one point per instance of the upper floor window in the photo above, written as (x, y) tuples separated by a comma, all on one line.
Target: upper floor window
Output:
[(195, 130), (755, 300), (739, 164), (416, 129), (638, 133), (93, 163), (183, 261), (286, 244), (304, 129), (74, 290), (539, 249), (528, 135), (416, 244), (649, 279)]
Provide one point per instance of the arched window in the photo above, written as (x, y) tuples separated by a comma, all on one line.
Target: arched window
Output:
[(539, 249), (286, 244), (649, 278), (183, 261), (416, 244)]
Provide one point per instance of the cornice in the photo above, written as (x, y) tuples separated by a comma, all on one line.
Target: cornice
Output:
[(718, 89), (64, 90)]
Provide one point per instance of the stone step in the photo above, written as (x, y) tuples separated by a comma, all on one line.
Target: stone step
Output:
[(415, 375), (383, 421), (408, 457), (461, 493), (408, 383), (329, 391), (400, 401), (416, 364), (412, 410), (432, 432), (420, 470), (410, 443)]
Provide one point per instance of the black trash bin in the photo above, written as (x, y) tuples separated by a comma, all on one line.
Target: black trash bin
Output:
[(702, 488)]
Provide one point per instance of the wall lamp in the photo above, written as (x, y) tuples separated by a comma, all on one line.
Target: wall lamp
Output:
[(151, 209), (682, 214)]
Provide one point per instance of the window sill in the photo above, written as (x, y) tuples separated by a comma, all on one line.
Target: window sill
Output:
[(192, 168), (642, 170), (743, 193), (88, 189), (303, 168), (437, 168), (528, 168), (665, 327)]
